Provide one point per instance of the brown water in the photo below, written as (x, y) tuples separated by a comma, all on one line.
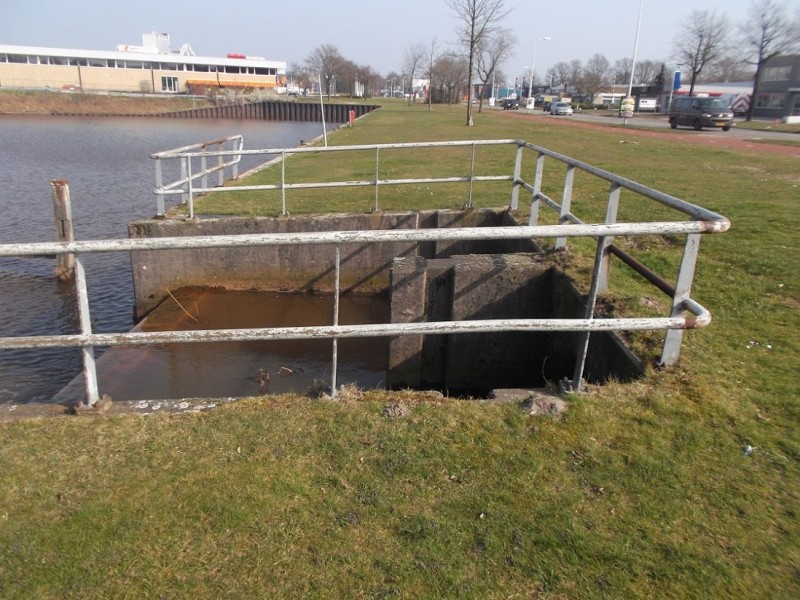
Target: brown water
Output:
[(225, 369)]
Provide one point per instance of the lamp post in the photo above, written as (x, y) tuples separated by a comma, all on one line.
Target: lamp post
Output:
[(533, 65)]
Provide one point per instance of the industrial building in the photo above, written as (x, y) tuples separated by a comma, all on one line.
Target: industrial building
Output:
[(150, 68)]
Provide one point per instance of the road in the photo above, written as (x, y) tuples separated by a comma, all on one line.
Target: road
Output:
[(652, 126)]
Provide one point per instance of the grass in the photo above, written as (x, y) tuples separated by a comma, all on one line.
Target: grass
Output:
[(638, 491)]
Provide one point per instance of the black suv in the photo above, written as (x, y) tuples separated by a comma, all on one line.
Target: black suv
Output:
[(510, 104)]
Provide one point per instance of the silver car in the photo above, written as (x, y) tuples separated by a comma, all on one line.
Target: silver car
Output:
[(561, 108)]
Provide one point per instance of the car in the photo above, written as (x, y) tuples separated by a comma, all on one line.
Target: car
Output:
[(510, 104), (699, 112), (561, 108)]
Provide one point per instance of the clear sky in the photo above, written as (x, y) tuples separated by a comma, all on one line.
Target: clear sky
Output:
[(371, 32)]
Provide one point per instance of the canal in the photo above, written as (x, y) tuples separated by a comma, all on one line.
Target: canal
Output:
[(111, 177)]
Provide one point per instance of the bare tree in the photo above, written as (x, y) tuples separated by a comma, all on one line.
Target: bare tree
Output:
[(646, 71), (768, 32), (413, 63), (479, 20), (595, 76), (431, 58), (622, 70), (702, 41), (450, 72), (559, 75), (491, 54), (728, 68), (327, 62)]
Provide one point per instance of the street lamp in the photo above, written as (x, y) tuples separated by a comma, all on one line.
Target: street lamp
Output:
[(533, 64)]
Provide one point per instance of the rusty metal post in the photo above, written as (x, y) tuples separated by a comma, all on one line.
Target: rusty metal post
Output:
[(62, 213)]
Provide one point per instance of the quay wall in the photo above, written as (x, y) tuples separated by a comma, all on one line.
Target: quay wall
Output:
[(276, 111)]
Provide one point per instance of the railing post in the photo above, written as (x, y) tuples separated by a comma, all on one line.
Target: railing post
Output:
[(536, 200), (471, 176), (566, 204), (517, 175), (89, 367), (160, 209), (583, 347), (190, 187), (283, 182), (62, 213), (377, 175), (184, 171), (221, 166), (611, 218), (204, 171), (683, 289), (239, 143), (335, 343)]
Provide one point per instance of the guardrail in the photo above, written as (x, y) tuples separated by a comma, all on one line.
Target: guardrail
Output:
[(230, 146), (685, 313)]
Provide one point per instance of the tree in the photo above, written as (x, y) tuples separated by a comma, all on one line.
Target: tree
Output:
[(326, 62), (702, 41), (413, 62), (450, 77), (768, 32), (595, 76), (492, 53), (431, 58), (479, 21), (559, 75)]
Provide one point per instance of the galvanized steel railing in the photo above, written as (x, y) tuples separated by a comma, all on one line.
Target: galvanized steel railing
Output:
[(185, 185), (685, 313)]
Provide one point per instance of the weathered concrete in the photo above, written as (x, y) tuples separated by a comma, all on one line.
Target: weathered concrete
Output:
[(474, 287), (364, 268)]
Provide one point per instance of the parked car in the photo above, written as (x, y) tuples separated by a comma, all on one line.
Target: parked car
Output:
[(510, 104), (561, 108), (701, 112)]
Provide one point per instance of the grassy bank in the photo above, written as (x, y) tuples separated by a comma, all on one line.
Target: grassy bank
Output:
[(638, 491), (70, 103)]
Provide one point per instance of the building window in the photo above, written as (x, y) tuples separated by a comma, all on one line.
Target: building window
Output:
[(776, 73), (773, 101), (169, 84)]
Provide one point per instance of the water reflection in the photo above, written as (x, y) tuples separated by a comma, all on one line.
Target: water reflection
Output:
[(106, 161)]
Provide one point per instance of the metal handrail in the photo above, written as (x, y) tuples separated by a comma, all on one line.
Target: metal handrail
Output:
[(686, 313)]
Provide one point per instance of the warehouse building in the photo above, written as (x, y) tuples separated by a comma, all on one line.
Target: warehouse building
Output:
[(150, 68)]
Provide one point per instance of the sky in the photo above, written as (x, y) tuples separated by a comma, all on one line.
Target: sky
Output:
[(368, 32)]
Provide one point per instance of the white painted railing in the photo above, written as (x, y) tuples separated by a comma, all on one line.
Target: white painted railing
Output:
[(686, 313)]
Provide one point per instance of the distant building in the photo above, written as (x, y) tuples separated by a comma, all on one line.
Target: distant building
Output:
[(150, 68), (778, 89)]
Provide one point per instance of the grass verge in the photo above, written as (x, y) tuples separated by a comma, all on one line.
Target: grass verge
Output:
[(638, 491)]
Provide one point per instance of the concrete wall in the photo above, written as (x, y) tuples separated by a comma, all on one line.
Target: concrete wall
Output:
[(489, 287), (364, 268)]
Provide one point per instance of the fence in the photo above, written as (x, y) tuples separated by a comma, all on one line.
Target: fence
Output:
[(700, 221)]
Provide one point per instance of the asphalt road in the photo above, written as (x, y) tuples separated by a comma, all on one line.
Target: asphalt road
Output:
[(660, 122)]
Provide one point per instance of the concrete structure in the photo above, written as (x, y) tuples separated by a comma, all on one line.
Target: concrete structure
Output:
[(365, 269), (151, 67), (426, 281)]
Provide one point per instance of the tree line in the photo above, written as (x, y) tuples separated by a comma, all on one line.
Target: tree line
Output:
[(708, 48)]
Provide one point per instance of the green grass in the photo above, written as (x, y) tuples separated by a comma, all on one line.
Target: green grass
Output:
[(638, 491)]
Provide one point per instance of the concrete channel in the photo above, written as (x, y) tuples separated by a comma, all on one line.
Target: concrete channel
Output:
[(425, 281)]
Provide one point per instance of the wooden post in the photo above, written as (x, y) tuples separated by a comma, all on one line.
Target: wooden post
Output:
[(62, 210)]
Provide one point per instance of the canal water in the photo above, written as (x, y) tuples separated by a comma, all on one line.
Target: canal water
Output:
[(111, 177)]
